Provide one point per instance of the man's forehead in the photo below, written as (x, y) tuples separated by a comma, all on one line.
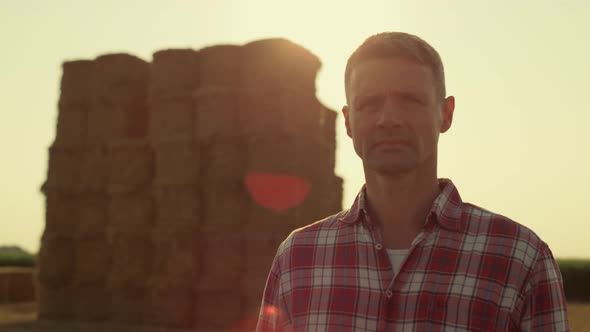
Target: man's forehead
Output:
[(389, 74), (392, 68)]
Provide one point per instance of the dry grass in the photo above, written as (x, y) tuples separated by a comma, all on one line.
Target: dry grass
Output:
[(579, 314), (18, 312)]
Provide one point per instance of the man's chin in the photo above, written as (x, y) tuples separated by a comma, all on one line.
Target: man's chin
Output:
[(391, 168)]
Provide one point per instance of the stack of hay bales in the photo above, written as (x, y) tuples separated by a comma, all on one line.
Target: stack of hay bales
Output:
[(224, 200), (173, 78), (284, 126), (119, 122), (171, 184), (97, 189), (63, 191)]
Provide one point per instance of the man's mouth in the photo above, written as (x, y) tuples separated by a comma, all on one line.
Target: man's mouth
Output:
[(391, 143)]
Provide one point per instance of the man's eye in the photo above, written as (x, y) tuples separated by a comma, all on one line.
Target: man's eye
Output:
[(414, 100), (368, 103)]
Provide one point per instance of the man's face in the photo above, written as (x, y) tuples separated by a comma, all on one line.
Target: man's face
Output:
[(395, 115)]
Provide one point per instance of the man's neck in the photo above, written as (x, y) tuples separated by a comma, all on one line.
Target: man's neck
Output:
[(400, 203)]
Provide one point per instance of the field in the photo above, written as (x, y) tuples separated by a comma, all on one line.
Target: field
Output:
[(579, 315), (579, 312)]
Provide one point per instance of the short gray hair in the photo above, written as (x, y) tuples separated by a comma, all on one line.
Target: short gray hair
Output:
[(398, 45)]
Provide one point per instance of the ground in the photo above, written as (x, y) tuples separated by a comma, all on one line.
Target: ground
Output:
[(19, 317)]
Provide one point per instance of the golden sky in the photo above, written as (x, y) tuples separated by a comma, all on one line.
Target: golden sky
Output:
[(520, 72)]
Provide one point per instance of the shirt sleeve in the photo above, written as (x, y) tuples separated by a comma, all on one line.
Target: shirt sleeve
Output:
[(272, 316), (545, 307)]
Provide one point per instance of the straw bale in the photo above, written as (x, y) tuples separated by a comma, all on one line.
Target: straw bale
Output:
[(225, 246), (176, 258), (278, 62), (219, 65), (177, 205), (172, 307), (177, 162), (76, 86), (173, 71), (216, 115), (132, 257)]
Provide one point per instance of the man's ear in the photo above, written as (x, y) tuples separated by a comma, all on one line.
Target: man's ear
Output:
[(345, 110), (447, 113)]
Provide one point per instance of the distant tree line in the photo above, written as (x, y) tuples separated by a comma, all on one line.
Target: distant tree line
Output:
[(16, 256), (576, 279)]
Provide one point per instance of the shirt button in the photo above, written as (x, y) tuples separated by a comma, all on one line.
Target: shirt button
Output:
[(378, 246), (389, 293)]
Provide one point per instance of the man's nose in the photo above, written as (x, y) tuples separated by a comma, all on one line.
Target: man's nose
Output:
[(389, 115)]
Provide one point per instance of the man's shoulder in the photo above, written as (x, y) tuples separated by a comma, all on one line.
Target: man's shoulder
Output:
[(497, 229), (323, 230)]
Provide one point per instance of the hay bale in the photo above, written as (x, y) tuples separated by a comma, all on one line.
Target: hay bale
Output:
[(64, 169), (217, 114), (119, 98), (61, 212), (219, 310), (120, 80), (56, 303), (275, 155), (128, 211), (92, 260), (176, 258), (71, 128), (219, 66), (278, 63), (261, 247), (172, 72), (17, 285), (127, 305), (218, 246), (325, 198), (328, 126), (56, 261), (263, 219), (252, 287), (223, 163), (177, 205), (279, 113), (113, 123), (177, 162), (132, 258), (171, 307), (302, 113), (90, 302), (93, 216), (94, 171), (76, 86), (172, 118), (260, 116), (130, 165), (224, 206)]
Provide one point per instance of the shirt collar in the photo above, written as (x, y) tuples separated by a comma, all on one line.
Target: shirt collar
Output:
[(446, 207)]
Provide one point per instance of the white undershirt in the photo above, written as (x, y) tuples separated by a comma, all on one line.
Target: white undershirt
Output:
[(396, 257)]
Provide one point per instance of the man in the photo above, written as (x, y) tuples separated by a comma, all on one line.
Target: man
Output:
[(409, 255)]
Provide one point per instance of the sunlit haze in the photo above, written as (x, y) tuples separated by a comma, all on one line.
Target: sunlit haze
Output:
[(520, 72)]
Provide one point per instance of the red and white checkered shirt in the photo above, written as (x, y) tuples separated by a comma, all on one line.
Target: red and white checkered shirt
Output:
[(468, 270)]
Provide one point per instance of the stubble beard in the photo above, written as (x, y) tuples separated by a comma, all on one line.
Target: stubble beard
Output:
[(391, 163)]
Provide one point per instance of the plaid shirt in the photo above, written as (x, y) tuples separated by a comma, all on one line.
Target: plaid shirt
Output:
[(467, 270)]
